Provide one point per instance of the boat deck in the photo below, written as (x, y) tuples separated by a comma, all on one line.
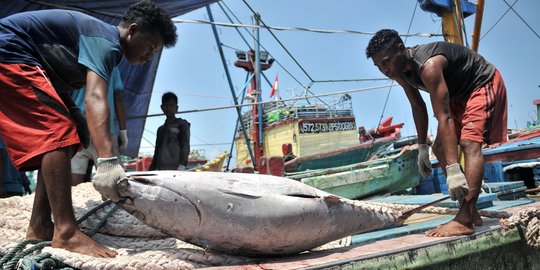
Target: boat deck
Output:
[(407, 247)]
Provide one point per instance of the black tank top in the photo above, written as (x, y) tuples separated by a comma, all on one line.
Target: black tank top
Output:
[(466, 70)]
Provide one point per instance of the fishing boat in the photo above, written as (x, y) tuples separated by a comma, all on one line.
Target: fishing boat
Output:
[(308, 134), (391, 172), (142, 247), (371, 143), (311, 137)]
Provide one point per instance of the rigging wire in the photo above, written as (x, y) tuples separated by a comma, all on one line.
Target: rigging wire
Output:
[(279, 41), (352, 80), (504, 14), (230, 20), (207, 143), (191, 94), (282, 28), (317, 81), (306, 89), (523, 20), (276, 61), (266, 102)]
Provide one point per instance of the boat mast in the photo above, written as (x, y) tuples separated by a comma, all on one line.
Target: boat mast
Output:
[(255, 61), (477, 25), (453, 25), (231, 87), (256, 87)]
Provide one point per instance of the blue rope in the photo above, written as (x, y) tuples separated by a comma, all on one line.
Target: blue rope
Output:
[(14, 250)]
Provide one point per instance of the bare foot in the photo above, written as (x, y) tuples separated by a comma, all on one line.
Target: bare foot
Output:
[(477, 219), (44, 232), (452, 228), (79, 242)]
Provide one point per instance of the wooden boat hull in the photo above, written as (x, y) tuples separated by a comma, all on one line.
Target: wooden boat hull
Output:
[(351, 155), (386, 175)]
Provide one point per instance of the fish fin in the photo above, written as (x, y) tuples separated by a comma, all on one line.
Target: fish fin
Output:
[(240, 194)]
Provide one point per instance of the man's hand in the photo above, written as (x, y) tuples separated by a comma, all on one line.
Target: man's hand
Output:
[(108, 173), (123, 141), (457, 183), (424, 165), (181, 167), (82, 128)]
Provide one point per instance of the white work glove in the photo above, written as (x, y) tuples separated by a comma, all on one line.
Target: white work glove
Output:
[(457, 183), (122, 141), (108, 173), (181, 167), (424, 165)]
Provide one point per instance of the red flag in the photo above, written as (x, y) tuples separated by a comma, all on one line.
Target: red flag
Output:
[(248, 90), (274, 87)]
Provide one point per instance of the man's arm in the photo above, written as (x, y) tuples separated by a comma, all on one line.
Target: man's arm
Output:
[(433, 78), (120, 110), (420, 116), (97, 114), (419, 110), (108, 171)]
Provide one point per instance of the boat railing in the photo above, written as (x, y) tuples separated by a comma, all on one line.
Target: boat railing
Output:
[(276, 112)]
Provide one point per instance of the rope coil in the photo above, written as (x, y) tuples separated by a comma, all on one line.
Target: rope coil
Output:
[(529, 218), (19, 257)]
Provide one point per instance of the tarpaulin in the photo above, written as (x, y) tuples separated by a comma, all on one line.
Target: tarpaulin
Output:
[(138, 79)]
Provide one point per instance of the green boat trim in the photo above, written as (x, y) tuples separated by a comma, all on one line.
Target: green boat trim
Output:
[(385, 175)]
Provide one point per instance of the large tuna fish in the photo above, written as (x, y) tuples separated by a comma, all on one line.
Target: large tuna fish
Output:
[(246, 214)]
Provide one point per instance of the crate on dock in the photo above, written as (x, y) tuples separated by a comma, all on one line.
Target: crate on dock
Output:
[(494, 172), (439, 181), (426, 186), (506, 190)]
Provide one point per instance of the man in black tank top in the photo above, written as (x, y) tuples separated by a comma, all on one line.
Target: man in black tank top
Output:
[(469, 101)]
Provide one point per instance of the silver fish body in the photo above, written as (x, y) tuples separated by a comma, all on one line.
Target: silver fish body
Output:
[(246, 214)]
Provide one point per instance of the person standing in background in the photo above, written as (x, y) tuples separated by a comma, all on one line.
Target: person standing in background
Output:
[(172, 142)]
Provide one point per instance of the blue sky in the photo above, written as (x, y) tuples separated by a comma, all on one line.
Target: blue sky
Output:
[(193, 69)]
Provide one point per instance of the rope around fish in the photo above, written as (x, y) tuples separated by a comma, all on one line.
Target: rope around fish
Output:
[(529, 218), (438, 210)]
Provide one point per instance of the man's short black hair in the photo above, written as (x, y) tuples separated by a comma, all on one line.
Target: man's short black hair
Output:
[(152, 18), (169, 96), (382, 40)]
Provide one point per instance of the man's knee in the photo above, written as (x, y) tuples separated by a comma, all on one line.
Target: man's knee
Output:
[(469, 146)]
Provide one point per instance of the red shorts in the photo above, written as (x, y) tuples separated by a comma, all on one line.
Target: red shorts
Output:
[(482, 117), (33, 118)]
